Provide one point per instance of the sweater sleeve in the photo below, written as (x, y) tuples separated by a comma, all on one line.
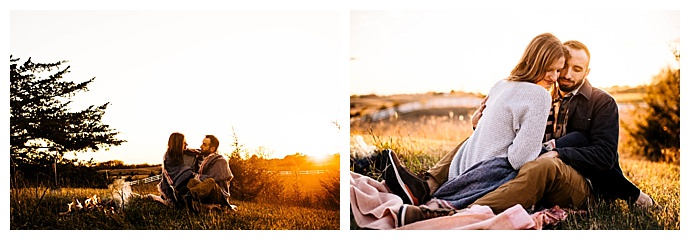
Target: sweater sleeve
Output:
[(529, 124)]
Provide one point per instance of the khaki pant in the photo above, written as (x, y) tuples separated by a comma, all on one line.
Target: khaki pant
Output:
[(438, 174), (545, 181), (207, 192)]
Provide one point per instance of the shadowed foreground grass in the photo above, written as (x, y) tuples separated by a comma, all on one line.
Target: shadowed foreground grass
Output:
[(39, 208)]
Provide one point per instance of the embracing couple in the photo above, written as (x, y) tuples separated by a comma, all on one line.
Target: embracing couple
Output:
[(196, 179), (543, 137)]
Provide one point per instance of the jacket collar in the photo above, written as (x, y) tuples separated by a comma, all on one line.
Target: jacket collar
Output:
[(585, 90)]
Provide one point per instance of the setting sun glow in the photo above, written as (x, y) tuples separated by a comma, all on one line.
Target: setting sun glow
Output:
[(269, 76)]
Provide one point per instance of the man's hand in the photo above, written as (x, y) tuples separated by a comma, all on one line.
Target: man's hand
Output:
[(549, 154), (478, 113)]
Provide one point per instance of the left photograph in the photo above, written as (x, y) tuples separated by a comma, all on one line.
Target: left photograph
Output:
[(175, 120)]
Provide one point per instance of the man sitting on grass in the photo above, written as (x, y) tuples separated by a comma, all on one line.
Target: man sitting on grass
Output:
[(210, 187), (568, 177), (205, 184)]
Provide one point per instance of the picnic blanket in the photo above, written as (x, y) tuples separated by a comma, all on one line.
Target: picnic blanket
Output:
[(373, 206), (476, 182)]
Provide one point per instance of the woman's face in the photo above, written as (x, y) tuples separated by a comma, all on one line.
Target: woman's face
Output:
[(552, 72)]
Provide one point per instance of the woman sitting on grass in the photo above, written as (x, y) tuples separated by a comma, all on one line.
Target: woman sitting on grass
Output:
[(512, 127), (176, 174), (515, 116)]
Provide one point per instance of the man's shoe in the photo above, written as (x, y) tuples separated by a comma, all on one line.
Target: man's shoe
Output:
[(412, 189), (191, 204), (409, 214), (196, 206)]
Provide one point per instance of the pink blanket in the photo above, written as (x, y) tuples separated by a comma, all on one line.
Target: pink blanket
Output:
[(375, 207)]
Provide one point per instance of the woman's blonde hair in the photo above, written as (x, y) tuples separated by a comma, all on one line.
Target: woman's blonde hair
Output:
[(541, 52), (176, 146)]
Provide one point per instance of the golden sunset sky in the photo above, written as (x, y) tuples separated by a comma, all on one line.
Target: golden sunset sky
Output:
[(273, 76), (469, 49)]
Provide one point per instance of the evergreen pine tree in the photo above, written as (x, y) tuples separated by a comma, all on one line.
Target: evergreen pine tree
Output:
[(42, 126)]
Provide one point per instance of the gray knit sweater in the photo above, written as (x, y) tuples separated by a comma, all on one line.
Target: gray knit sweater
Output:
[(512, 126)]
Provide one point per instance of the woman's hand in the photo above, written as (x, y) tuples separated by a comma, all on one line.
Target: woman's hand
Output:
[(549, 154), (478, 113), (193, 151)]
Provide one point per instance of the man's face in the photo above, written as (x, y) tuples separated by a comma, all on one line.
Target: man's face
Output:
[(575, 71), (206, 146)]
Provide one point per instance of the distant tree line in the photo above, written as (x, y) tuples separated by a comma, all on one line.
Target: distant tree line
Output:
[(655, 131), (119, 164)]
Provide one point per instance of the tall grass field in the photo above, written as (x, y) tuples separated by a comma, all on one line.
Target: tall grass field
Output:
[(421, 138), (39, 208)]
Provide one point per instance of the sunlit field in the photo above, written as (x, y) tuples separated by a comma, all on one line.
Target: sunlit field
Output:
[(299, 206), (422, 138), (31, 211)]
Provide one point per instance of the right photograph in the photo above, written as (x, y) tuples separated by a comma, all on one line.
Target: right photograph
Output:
[(507, 120)]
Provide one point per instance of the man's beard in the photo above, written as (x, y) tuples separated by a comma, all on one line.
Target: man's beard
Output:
[(568, 89)]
